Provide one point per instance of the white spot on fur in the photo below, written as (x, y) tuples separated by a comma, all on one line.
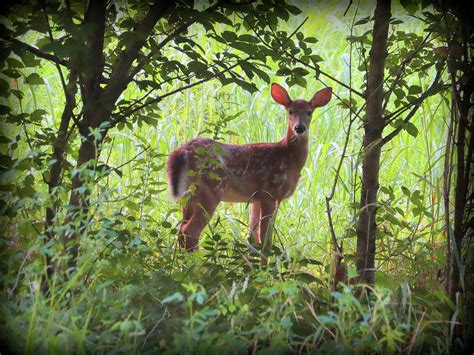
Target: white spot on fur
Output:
[(279, 179)]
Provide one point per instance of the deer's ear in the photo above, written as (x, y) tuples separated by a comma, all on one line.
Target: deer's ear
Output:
[(321, 98), (280, 95)]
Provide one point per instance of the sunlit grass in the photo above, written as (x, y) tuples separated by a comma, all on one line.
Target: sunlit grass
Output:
[(102, 315)]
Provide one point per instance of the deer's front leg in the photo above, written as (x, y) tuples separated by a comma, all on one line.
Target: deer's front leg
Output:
[(268, 211), (254, 225)]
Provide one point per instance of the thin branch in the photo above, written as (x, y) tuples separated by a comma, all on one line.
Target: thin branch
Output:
[(69, 109), (318, 70), (397, 113), (137, 101), (401, 69), (287, 39), (347, 9), (432, 90), (128, 161), (153, 329), (177, 32), (447, 174), (37, 52), (336, 246), (161, 97), (326, 75), (119, 78)]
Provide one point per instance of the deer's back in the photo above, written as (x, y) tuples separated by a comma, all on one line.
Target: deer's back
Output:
[(242, 173)]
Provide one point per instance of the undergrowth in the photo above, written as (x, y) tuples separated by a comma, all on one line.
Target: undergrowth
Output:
[(135, 292), (144, 295)]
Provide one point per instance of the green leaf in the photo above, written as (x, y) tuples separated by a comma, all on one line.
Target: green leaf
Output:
[(261, 74), (399, 93), (300, 71), (326, 320), (415, 89), (248, 38), (4, 53), (229, 36), (362, 21), (28, 189), (196, 66), (37, 115), (34, 79), (406, 191), (316, 58), (14, 63), (4, 110), (247, 68), (214, 176), (166, 224), (244, 47), (410, 5), (4, 87), (308, 278), (218, 17), (177, 296), (411, 129), (283, 71), (12, 73), (309, 261), (311, 40), (300, 81), (29, 60), (53, 47), (250, 87), (293, 10), (151, 83), (396, 22)]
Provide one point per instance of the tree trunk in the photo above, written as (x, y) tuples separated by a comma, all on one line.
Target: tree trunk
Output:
[(99, 104), (460, 285), (89, 152), (460, 199), (373, 128), (59, 148)]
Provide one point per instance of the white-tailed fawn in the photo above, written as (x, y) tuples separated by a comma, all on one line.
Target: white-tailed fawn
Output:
[(204, 172)]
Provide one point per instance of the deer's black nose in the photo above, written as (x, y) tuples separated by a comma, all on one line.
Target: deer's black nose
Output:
[(300, 129)]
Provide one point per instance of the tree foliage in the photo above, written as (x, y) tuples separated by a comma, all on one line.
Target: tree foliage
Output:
[(89, 254), (100, 50)]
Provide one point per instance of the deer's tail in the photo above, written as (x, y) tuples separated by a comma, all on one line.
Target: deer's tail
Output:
[(176, 167)]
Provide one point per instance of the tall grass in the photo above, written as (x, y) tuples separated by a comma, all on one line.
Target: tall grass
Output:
[(135, 292)]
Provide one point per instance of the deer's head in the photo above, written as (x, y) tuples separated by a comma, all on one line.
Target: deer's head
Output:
[(300, 111)]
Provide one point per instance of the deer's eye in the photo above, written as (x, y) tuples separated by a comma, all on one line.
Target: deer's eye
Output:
[(290, 112)]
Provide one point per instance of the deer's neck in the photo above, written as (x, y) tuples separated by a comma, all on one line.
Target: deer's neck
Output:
[(297, 147)]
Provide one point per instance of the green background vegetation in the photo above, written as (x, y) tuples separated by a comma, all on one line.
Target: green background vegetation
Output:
[(135, 291)]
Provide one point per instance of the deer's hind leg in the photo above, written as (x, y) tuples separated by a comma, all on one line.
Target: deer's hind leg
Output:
[(200, 209), (254, 225), (187, 212)]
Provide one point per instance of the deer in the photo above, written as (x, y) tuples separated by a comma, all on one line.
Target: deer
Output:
[(203, 172)]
